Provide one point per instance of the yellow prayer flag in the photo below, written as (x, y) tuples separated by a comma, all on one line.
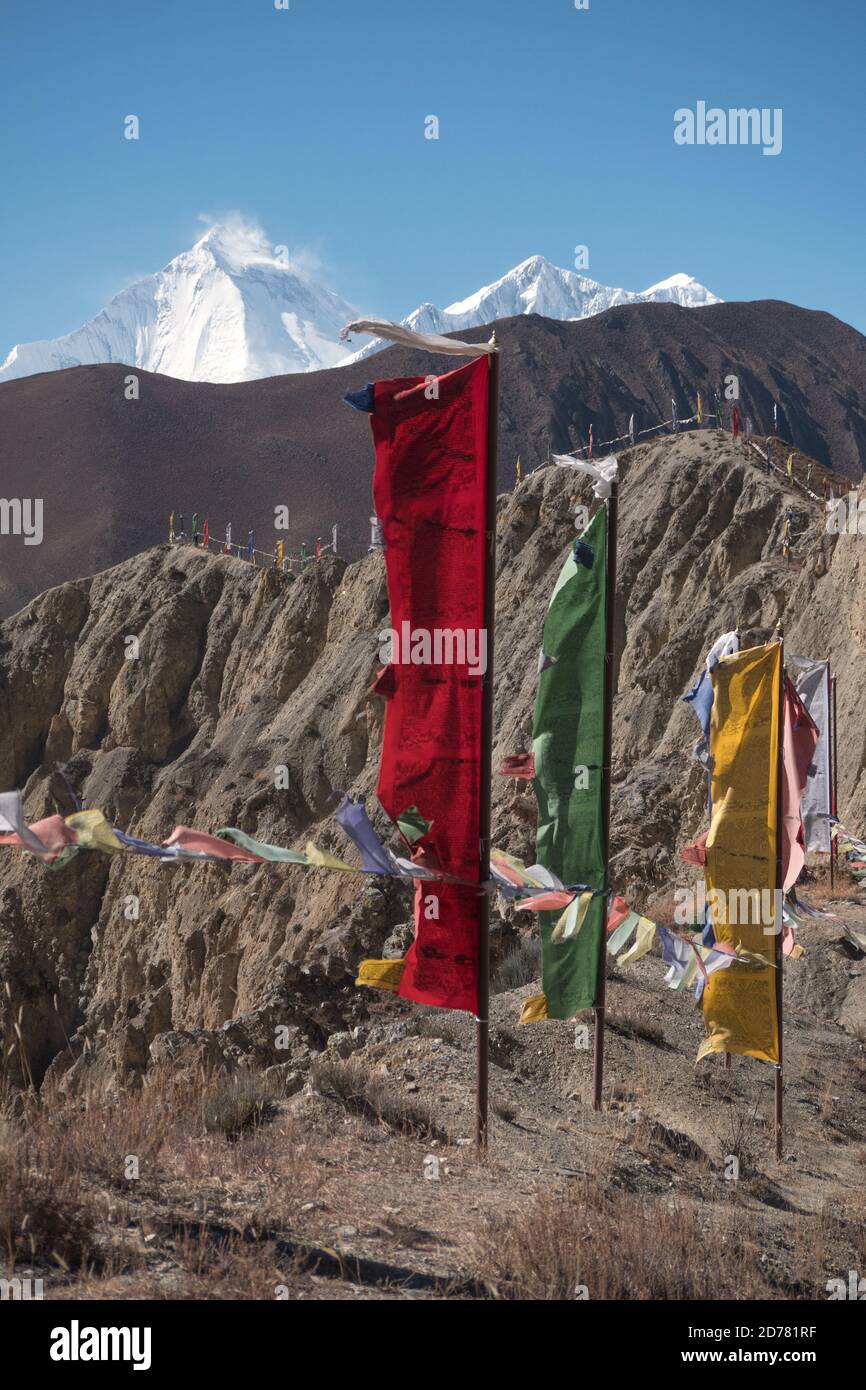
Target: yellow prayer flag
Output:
[(381, 974), (572, 919), (643, 940), (92, 831), (534, 1009), (321, 859), (740, 1003)]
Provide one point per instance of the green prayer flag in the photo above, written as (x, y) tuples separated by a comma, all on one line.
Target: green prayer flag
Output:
[(273, 853), (412, 824), (568, 743)]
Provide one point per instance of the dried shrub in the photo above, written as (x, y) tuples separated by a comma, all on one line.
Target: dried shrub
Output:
[(368, 1093)]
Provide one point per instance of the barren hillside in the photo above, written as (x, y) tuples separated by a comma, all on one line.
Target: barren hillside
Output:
[(241, 672), (303, 1168)]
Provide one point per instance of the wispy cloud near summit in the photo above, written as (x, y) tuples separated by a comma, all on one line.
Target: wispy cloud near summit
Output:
[(242, 240)]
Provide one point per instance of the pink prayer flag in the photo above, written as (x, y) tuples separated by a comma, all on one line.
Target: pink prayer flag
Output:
[(554, 901), (182, 837), (54, 834), (696, 852)]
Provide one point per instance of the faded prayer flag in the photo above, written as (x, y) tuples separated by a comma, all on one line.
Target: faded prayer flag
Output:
[(812, 680), (799, 740)]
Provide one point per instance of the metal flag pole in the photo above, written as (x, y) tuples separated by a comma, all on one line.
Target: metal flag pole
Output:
[(607, 758), (779, 896), (834, 843), (482, 1023)]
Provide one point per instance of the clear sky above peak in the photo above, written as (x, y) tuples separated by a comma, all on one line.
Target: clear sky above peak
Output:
[(556, 130)]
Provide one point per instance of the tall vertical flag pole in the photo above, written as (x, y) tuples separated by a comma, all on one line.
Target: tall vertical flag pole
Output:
[(834, 843), (779, 1086), (607, 758), (482, 1023)]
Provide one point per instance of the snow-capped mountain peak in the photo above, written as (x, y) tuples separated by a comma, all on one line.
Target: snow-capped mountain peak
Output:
[(681, 289), (232, 308), (536, 286)]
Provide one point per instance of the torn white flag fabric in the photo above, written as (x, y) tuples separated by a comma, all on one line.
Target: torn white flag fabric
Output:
[(432, 342), (726, 645), (603, 473), (812, 682)]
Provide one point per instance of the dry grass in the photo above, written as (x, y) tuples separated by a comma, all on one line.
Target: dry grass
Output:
[(448, 1024), (629, 1025), (739, 1128), (232, 1105), (815, 887), (73, 1171), (362, 1091), (229, 1267), (45, 1218), (519, 966), (612, 1246)]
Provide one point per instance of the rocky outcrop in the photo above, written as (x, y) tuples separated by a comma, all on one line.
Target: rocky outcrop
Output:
[(243, 700)]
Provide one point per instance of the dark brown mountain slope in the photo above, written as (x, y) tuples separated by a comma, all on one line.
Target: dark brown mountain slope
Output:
[(110, 469)]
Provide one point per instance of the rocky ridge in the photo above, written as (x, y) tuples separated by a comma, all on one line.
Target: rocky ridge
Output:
[(112, 963)]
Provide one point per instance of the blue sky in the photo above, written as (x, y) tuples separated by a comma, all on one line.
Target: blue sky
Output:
[(556, 129)]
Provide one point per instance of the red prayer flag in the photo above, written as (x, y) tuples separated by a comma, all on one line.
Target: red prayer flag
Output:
[(429, 490), (206, 534), (54, 834), (617, 913), (518, 765)]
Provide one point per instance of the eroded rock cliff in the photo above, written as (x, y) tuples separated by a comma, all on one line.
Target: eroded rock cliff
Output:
[(113, 961)]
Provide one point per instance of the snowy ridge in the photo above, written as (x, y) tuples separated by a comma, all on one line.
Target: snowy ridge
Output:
[(233, 309), (536, 286)]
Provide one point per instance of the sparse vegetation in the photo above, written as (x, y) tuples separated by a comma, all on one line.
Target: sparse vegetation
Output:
[(443, 1023), (739, 1129), (352, 1084), (44, 1216), (613, 1247), (235, 1103), (520, 965), (629, 1025)]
